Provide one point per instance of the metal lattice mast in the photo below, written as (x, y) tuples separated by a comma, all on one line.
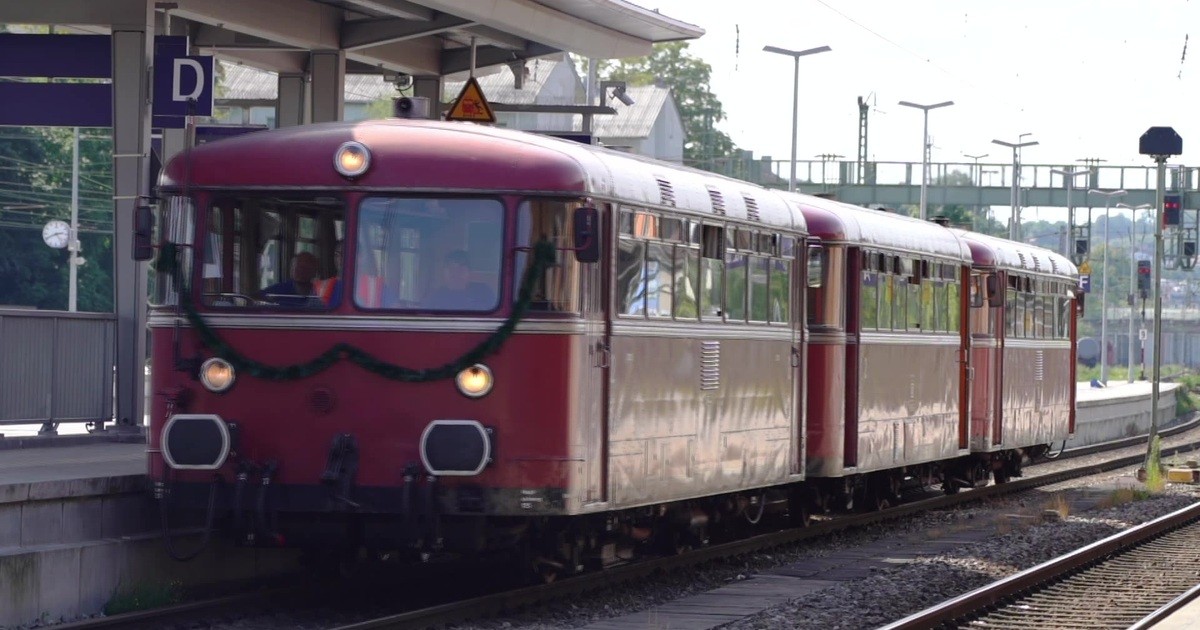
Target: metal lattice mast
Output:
[(862, 140)]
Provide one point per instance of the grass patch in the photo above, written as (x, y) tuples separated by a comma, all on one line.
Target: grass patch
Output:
[(1121, 496), (144, 596), (1061, 505)]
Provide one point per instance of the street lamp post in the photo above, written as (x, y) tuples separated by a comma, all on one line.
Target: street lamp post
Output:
[(1014, 228), (1132, 274), (975, 172), (925, 148), (1108, 196), (1069, 175), (795, 55)]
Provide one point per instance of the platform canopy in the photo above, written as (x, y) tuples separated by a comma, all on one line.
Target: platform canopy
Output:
[(417, 37)]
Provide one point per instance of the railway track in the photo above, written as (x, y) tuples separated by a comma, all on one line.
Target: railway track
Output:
[(1126, 580), (512, 600)]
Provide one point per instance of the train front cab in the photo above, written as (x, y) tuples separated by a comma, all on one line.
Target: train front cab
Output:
[(353, 450)]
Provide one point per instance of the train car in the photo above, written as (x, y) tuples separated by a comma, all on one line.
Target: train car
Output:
[(888, 402), (444, 337), (1023, 335)]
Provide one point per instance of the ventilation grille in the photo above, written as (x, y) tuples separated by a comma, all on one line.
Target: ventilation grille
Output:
[(751, 208), (1021, 256), (718, 202), (710, 365), (665, 190), (1039, 366)]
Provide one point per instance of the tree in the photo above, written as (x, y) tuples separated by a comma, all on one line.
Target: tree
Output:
[(672, 66), (975, 218)]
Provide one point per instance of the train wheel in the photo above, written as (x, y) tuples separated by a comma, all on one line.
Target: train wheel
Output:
[(949, 487), (1001, 474)]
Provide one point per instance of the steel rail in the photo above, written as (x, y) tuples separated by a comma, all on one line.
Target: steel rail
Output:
[(1038, 577), (498, 603), (509, 600)]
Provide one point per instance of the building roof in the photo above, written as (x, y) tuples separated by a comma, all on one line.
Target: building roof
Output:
[(243, 83), (633, 121), (499, 86)]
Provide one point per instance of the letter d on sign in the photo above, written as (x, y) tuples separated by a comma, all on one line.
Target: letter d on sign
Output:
[(177, 76)]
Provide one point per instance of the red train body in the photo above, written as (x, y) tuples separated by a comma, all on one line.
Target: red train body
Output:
[(635, 352)]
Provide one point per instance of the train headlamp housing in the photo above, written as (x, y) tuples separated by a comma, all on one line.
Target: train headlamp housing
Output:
[(475, 381), (352, 159), (217, 375)]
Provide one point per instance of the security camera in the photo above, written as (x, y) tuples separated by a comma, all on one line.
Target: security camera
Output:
[(619, 94), (402, 81)]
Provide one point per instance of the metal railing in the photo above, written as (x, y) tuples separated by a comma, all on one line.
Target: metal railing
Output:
[(55, 367), (774, 173)]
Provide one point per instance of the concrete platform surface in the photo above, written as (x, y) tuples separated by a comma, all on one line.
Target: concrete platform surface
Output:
[(71, 471)]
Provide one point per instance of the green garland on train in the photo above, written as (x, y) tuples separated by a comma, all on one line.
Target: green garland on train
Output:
[(544, 255)]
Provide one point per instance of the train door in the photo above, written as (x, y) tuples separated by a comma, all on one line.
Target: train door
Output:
[(597, 336), (1001, 311), (966, 373)]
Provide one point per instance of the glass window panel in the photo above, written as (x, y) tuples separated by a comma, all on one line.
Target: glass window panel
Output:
[(759, 298), (687, 267), (431, 254), (899, 302), (645, 225), (631, 277), (914, 307), (736, 287), (930, 291), (659, 271), (886, 299), (1010, 313), (952, 306), (712, 285), (272, 252), (868, 317), (560, 287), (626, 226), (780, 283)]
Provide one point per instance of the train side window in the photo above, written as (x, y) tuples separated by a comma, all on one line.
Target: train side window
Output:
[(952, 306), (626, 223), (759, 298), (645, 225), (933, 293), (780, 289), (976, 291), (631, 277), (868, 304), (914, 306), (687, 268), (736, 287), (659, 280), (886, 299), (899, 302), (712, 272), (816, 266)]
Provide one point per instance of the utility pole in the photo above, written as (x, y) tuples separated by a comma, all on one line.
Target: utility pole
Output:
[(1159, 143), (73, 248), (863, 108)]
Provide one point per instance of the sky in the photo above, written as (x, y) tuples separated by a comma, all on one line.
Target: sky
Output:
[(1085, 78)]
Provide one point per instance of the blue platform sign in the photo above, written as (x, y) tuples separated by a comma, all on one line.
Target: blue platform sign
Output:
[(183, 85), (179, 79), (1085, 283)]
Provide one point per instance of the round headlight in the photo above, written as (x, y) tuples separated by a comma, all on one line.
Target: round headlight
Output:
[(216, 375), (475, 381), (352, 159)]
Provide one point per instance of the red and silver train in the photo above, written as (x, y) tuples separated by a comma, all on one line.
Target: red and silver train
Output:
[(444, 337)]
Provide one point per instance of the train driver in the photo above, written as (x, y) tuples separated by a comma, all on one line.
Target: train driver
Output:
[(304, 284)]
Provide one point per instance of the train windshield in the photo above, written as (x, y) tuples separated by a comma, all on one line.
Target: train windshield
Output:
[(429, 254), (276, 252)]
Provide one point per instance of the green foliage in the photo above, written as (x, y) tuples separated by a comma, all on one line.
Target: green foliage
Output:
[(688, 77), (35, 187)]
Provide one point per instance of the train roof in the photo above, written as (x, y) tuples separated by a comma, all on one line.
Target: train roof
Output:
[(453, 156), (991, 251), (834, 222)]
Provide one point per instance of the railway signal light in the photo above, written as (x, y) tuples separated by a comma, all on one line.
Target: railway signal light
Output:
[(1143, 277), (1172, 209)]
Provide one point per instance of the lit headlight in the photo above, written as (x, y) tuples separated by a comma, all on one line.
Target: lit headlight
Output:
[(352, 159), (216, 375), (475, 381)]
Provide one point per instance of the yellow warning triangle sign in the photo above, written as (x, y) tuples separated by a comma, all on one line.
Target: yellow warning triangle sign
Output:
[(471, 105)]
